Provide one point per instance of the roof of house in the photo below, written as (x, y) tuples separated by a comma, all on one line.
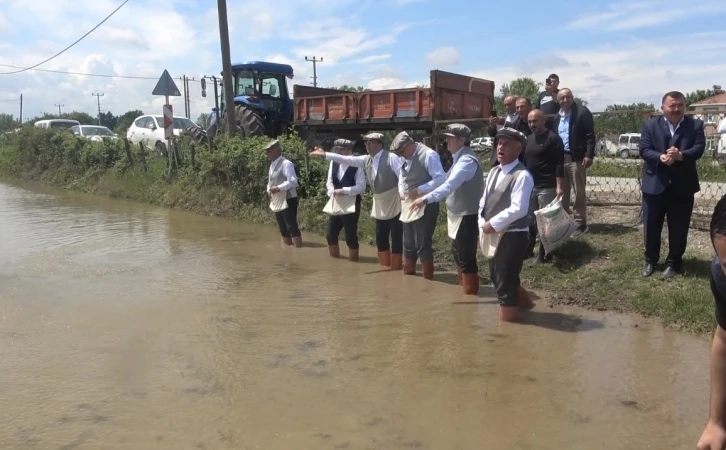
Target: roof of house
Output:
[(719, 99)]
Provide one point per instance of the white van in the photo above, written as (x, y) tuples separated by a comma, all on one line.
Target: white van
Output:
[(57, 123)]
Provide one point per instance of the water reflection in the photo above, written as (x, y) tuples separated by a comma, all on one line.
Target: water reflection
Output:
[(129, 326)]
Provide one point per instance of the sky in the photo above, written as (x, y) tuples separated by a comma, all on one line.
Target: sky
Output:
[(605, 51)]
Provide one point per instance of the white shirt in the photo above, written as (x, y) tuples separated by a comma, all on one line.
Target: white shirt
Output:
[(461, 172), (360, 180), (360, 161), (671, 127), (288, 169), (432, 164), (521, 192)]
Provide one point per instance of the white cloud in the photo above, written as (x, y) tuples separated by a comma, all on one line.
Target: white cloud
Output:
[(640, 14), (444, 57)]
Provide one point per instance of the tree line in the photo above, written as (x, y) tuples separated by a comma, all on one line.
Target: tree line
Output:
[(119, 124)]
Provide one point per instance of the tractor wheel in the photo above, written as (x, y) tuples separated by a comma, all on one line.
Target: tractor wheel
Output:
[(250, 121)]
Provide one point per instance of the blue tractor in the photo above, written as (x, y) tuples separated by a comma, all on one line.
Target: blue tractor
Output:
[(262, 103)]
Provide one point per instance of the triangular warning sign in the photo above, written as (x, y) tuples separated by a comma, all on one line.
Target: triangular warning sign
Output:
[(166, 86)]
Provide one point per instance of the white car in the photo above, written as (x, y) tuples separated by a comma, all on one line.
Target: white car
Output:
[(93, 132), (482, 142), (149, 129)]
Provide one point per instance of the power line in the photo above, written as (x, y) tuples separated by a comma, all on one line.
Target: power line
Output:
[(77, 41), (130, 77)]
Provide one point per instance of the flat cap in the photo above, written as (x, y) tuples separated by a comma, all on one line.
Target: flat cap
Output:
[(400, 140), (512, 134), (457, 130), (343, 143), (271, 145), (373, 137)]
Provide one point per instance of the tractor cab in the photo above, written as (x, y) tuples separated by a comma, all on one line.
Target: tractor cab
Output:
[(262, 102)]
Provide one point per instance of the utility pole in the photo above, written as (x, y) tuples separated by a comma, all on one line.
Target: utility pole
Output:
[(98, 99), (21, 109), (59, 110), (315, 69), (186, 96), (227, 67)]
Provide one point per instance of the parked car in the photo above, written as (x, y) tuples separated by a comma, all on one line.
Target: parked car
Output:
[(93, 132), (482, 143), (57, 123), (149, 129), (628, 145)]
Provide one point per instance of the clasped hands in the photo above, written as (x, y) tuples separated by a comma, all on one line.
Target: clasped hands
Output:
[(670, 156)]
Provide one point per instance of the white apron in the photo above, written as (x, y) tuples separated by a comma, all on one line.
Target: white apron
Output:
[(386, 205), (340, 205), (278, 201), (408, 216), (488, 243), (454, 222)]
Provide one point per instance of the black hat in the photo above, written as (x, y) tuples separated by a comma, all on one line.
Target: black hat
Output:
[(513, 134)]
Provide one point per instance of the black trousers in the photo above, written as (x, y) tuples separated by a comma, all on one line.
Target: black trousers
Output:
[(393, 229), (287, 219), (347, 222), (465, 246), (678, 211), (506, 265), (418, 236)]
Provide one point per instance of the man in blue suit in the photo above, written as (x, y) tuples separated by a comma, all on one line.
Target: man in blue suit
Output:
[(670, 146)]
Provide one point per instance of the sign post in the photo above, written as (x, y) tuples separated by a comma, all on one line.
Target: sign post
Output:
[(166, 87)]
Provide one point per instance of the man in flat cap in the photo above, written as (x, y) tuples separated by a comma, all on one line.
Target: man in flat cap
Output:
[(463, 188), (281, 178), (346, 183), (381, 170), (421, 173), (504, 207)]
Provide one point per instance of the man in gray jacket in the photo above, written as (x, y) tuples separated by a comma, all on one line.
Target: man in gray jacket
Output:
[(421, 173), (462, 190), (504, 207)]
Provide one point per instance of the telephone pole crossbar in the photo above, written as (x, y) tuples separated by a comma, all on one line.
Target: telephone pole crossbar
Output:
[(98, 99), (315, 62)]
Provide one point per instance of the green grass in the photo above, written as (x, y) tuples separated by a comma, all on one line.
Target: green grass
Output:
[(611, 167), (599, 271)]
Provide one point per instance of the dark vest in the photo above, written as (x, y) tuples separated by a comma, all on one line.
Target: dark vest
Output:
[(348, 179)]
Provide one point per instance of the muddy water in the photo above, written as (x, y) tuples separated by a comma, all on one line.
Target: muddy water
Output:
[(133, 327)]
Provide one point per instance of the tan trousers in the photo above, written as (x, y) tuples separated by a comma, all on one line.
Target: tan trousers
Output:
[(575, 179)]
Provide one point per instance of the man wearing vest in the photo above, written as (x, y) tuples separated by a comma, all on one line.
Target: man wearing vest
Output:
[(421, 173), (504, 207), (344, 180), (462, 190), (281, 177), (381, 170)]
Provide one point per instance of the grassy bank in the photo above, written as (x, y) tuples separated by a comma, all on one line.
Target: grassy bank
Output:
[(599, 271)]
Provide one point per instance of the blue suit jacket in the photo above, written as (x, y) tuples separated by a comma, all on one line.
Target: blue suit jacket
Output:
[(655, 139)]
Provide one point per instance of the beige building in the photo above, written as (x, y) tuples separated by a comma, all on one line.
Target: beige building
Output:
[(712, 111)]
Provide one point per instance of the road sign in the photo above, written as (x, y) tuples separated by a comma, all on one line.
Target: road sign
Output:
[(166, 86), (168, 121)]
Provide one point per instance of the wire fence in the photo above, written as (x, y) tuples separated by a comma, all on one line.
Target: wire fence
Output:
[(614, 179)]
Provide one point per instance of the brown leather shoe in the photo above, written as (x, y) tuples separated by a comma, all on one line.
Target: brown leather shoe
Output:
[(286, 242), (384, 258), (396, 261), (297, 241), (470, 283), (409, 266), (334, 251), (428, 270), (525, 301), (352, 255)]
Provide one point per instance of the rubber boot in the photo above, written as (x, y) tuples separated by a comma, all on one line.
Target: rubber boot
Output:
[(297, 241), (428, 270), (460, 276), (334, 251), (384, 258), (409, 266), (525, 301), (508, 313), (396, 261), (470, 283), (352, 255), (286, 242)]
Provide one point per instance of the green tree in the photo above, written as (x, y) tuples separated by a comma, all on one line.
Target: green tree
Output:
[(109, 120), (698, 95), (619, 119), (523, 87), (347, 88), (202, 120), (125, 120), (8, 123)]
